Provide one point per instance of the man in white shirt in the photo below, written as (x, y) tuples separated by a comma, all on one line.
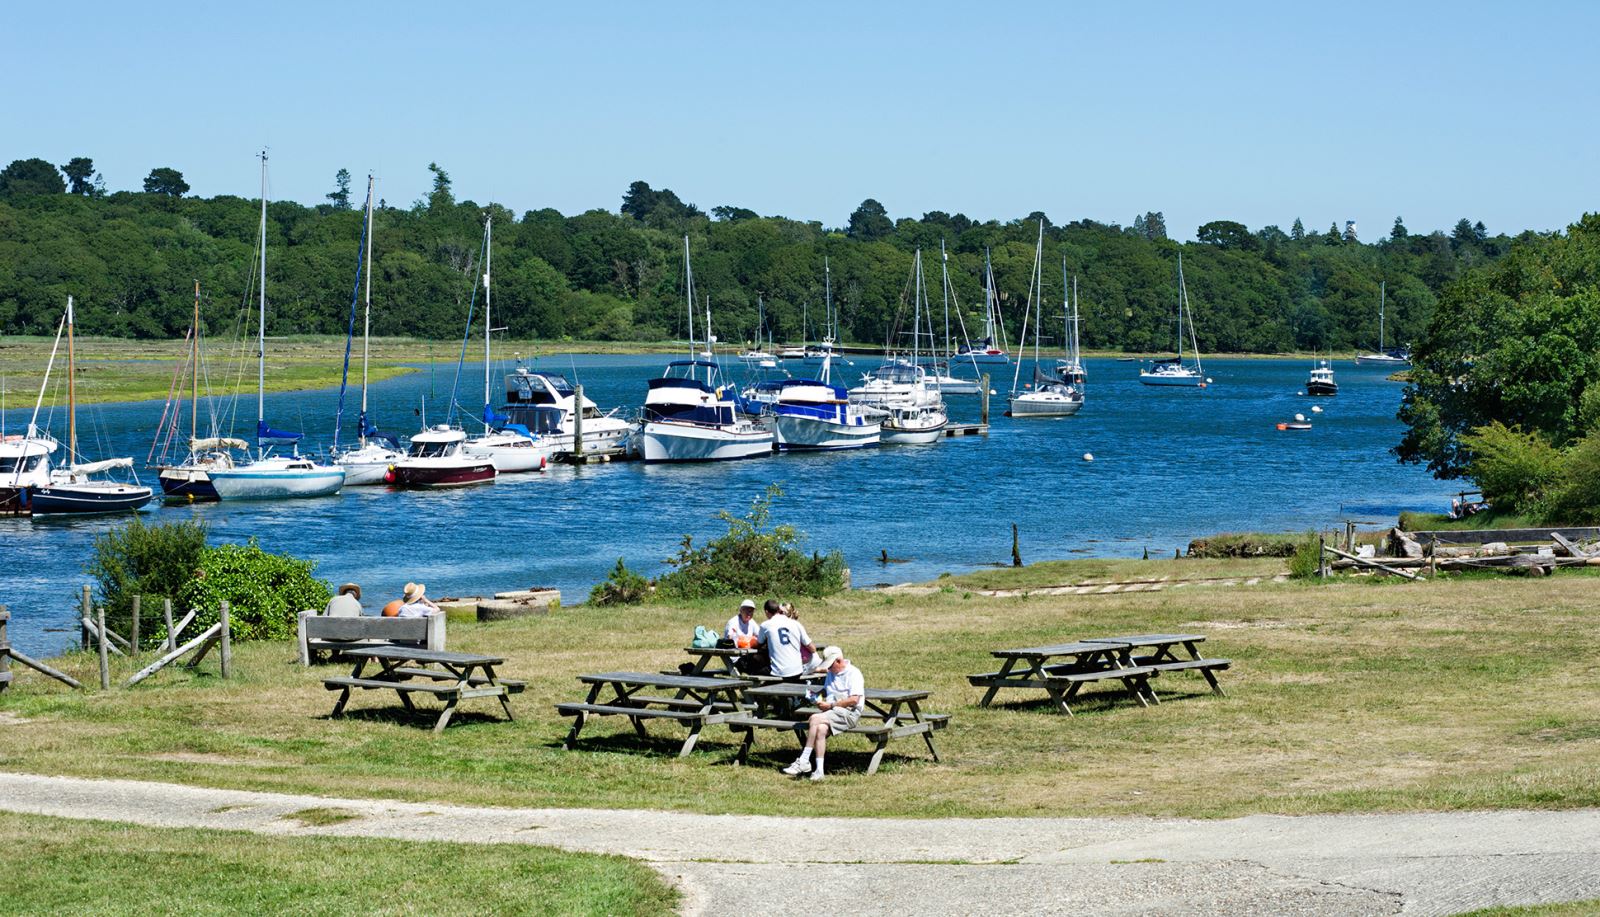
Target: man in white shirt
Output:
[(844, 692), (782, 637), (743, 623)]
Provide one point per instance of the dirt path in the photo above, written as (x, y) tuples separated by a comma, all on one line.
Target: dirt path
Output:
[(1099, 587), (1440, 863)]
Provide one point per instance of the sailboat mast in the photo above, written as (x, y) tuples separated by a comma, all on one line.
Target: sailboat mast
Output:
[(688, 287), (261, 323), (1181, 298), (944, 291), (827, 296), (72, 393), (488, 314), (194, 366), (366, 322), (1382, 297)]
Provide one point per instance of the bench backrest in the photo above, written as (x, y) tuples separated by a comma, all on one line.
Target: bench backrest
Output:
[(427, 632)]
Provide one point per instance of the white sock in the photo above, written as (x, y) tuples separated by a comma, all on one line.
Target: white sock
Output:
[(816, 766), (805, 755)]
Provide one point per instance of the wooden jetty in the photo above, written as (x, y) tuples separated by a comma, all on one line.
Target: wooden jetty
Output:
[(966, 429)]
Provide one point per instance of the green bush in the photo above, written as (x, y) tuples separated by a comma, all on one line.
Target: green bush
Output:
[(622, 587), (1307, 557), (755, 557), (1513, 468), (265, 592), (1575, 498), (155, 561)]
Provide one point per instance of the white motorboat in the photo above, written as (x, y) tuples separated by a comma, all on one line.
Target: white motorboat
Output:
[(1320, 381), (815, 414), (1383, 356), (546, 405), (1173, 371), (367, 464), (437, 458), (897, 380), (24, 464), (913, 424)]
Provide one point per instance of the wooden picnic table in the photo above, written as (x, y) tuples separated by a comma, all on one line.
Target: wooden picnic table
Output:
[(1160, 653), (888, 714), (697, 701), (1064, 668), (407, 670), (722, 662)]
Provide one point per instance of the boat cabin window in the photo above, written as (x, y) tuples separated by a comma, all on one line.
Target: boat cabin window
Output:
[(537, 388), (17, 464), (429, 450)]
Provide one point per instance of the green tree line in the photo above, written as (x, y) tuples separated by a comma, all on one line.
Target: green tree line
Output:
[(130, 258)]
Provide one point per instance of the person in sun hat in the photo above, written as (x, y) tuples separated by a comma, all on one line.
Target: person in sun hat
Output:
[(844, 691), (347, 604), (416, 602)]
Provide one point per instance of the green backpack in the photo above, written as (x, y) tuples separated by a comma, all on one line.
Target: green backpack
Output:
[(704, 638)]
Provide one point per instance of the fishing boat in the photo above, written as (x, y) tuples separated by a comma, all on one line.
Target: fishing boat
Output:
[(689, 416), (547, 405), (1174, 371), (368, 463), (814, 414), (1320, 381), (190, 478), (907, 424), (438, 458), (1047, 395), (271, 477), (510, 446), (1383, 356), (74, 489), (990, 350)]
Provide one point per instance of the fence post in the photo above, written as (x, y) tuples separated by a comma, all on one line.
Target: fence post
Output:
[(166, 612), (105, 662), (1322, 557), (227, 643), (1349, 537), (88, 615), (5, 650), (133, 639)]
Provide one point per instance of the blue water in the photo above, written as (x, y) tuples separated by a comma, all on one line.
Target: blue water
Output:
[(1169, 465)]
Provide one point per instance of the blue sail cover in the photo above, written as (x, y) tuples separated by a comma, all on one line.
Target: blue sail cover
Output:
[(371, 432), (491, 418), (266, 436)]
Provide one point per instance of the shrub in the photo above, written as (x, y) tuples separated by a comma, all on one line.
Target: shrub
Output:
[(265, 592), (622, 587), (155, 561), (1307, 557), (755, 557), (1575, 499), (1513, 468)]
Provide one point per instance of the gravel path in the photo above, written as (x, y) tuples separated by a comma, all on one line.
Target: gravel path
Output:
[(1436, 863)]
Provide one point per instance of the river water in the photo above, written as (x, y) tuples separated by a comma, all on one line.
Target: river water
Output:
[(1169, 465)]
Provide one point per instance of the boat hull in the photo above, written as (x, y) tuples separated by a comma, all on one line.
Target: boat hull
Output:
[(983, 359), (1055, 407), (952, 386), (244, 484), (1322, 388), (663, 441), (916, 437), (798, 434), (70, 499), (1373, 359), (179, 483), (1171, 381), (462, 474), (510, 459), (365, 474)]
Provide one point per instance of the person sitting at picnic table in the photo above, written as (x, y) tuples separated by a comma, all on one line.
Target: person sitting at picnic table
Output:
[(839, 710), (347, 604), (416, 602), (783, 638), (743, 629)]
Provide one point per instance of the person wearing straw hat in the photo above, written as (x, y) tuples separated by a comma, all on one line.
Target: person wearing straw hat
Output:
[(417, 604), (839, 710), (347, 604)]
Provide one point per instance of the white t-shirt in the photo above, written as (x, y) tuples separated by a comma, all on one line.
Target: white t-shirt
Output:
[(414, 610), (738, 627), (783, 636), (848, 683)]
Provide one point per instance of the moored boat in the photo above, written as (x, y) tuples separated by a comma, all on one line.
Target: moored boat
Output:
[(368, 463), (437, 459), (1320, 381), (1173, 371), (814, 414)]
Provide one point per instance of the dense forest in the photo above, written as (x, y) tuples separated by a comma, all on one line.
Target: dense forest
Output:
[(130, 259)]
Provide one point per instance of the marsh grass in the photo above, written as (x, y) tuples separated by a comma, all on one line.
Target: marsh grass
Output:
[(1451, 694)]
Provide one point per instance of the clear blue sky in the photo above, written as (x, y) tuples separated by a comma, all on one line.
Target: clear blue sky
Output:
[(1255, 112)]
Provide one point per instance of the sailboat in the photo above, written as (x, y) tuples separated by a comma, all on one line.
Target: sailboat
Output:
[(757, 355), (1047, 395), (272, 477), (1173, 371), (375, 452), (688, 415), (190, 479), (942, 372), (824, 348), (1383, 357), (508, 445), (990, 351), (911, 404), (72, 489), (1071, 368)]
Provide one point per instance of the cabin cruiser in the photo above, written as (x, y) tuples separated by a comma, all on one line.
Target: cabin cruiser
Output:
[(438, 458), (689, 417), (546, 404)]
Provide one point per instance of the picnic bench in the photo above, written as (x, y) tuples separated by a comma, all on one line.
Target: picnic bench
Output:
[(696, 702), (889, 714), (1160, 654), (1063, 669), (323, 634), (450, 677), (723, 662)]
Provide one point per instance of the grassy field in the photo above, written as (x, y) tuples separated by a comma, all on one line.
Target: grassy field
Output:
[(1488, 519), (1355, 696), (64, 866), (1093, 571), (1567, 909)]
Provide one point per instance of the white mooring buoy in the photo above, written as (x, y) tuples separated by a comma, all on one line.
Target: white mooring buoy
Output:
[(1088, 456)]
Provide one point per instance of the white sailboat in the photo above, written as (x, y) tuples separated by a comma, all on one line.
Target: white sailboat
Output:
[(270, 476), (758, 356), (991, 351), (1174, 371), (921, 417), (190, 479), (511, 449), (828, 345), (943, 371), (375, 452), (1383, 357), (1071, 368), (1047, 395)]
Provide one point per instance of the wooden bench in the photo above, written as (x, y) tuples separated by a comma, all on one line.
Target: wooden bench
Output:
[(405, 671), (321, 634), (696, 702), (1160, 652)]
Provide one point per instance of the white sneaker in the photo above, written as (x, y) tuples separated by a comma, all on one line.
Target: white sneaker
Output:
[(797, 768), (816, 776)]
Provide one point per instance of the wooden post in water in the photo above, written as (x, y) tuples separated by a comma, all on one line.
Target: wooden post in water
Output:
[(133, 641), (105, 661), (88, 614), (227, 643), (577, 421), (1016, 547), (166, 612), (983, 385)]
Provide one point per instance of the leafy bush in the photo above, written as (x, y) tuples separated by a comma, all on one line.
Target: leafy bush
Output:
[(1307, 557), (265, 592), (1512, 467), (755, 557), (1575, 498), (155, 561), (622, 587)]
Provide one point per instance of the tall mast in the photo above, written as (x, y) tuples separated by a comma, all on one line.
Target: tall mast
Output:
[(488, 315), (827, 298), (688, 287), (1382, 296), (261, 325), (72, 393), (944, 290), (366, 324), (1181, 297), (194, 366)]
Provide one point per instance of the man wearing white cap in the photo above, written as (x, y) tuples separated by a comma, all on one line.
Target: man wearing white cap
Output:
[(843, 693), (743, 624)]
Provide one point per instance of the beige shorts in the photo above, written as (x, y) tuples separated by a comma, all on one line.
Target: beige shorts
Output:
[(841, 719)]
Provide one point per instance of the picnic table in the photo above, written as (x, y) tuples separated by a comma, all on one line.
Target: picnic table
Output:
[(407, 670), (696, 701), (1160, 654), (888, 714), (723, 662), (1064, 668)]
